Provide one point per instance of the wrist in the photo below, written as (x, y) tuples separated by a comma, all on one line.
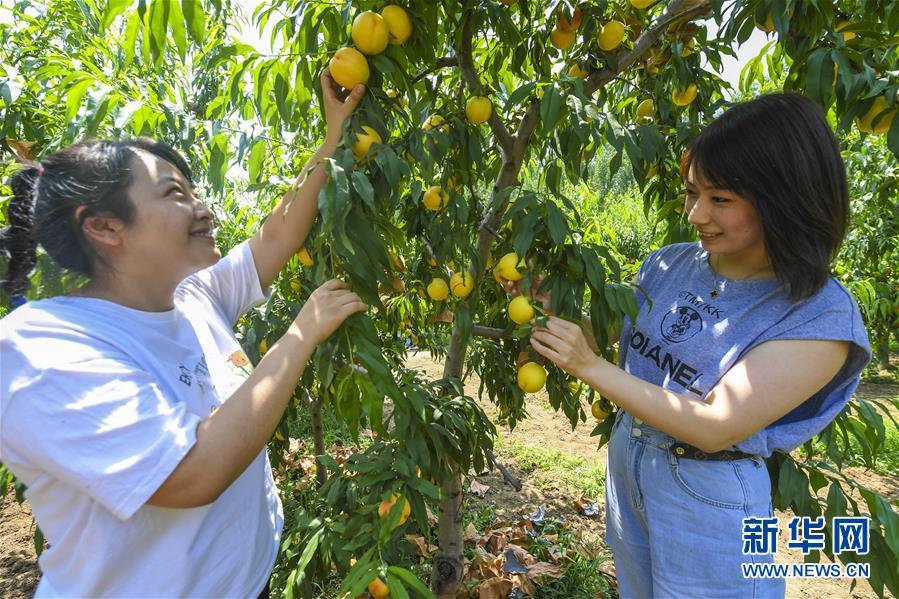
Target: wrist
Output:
[(591, 365), (303, 332), (332, 140)]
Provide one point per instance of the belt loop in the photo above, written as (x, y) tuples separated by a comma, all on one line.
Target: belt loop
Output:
[(672, 458)]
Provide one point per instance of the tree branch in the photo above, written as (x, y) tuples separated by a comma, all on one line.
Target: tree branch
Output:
[(491, 332), (470, 76), (644, 42), (507, 476), (441, 63), (526, 129)]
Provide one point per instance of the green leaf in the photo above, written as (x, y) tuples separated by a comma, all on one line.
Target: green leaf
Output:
[(156, 23), (550, 107), (74, 96), (176, 24), (517, 97), (893, 138), (363, 187), (411, 581), (309, 549), (396, 587), (195, 19), (819, 79), (131, 29), (255, 160), (113, 9), (555, 222), (126, 112), (360, 575)]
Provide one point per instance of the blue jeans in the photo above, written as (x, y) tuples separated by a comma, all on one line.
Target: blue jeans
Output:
[(675, 524)]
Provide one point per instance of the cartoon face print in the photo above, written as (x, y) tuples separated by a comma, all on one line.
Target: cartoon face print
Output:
[(681, 324)]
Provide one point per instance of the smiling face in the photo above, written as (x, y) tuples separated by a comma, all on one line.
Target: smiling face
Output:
[(172, 233), (726, 222)]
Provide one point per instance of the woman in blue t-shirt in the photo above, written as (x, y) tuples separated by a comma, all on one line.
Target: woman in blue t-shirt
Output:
[(747, 345)]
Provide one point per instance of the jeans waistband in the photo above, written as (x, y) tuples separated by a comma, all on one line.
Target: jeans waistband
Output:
[(638, 429)]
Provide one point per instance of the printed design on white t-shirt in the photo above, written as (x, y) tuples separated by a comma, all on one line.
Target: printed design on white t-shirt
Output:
[(237, 369), (199, 373)]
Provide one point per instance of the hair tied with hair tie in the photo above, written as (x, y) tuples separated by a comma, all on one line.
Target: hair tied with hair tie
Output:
[(39, 167)]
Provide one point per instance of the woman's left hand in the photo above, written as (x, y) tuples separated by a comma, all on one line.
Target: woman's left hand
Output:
[(338, 104), (565, 344)]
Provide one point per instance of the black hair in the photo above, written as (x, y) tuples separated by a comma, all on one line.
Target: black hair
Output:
[(95, 174), (779, 153)]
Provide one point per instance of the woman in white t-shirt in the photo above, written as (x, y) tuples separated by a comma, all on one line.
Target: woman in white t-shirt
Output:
[(127, 407)]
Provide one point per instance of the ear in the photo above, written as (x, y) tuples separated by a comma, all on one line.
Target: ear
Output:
[(101, 230)]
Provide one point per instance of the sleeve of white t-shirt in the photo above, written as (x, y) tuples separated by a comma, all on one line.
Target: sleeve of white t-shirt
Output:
[(231, 285), (107, 429)]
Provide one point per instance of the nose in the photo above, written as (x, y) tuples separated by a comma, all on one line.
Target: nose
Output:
[(697, 210), (202, 210)]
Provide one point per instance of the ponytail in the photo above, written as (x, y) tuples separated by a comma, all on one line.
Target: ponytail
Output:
[(16, 241)]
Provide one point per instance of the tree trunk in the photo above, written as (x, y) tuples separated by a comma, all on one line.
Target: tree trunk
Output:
[(447, 574), (446, 577), (883, 352), (318, 439)]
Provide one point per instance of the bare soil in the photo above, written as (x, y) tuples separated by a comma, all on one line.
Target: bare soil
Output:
[(19, 573)]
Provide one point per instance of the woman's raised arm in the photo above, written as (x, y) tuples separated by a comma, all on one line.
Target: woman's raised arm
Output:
[(284, 231)]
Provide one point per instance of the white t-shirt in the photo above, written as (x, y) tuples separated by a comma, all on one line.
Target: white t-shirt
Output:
[(98, 405)]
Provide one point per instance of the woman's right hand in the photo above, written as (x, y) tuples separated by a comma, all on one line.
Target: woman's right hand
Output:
[(545, 300), (327, 308)]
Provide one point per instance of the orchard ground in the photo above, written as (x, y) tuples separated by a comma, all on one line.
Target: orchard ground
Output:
[(556, 466)]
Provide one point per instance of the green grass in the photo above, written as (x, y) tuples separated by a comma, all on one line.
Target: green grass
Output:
[(582, 580), (551, 468), (886, 461)]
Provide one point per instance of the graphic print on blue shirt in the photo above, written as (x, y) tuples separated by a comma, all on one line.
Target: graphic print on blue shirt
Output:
[(684, 320)]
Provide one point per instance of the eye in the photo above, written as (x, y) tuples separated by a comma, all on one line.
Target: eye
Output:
[(720, 200), (174, 190)]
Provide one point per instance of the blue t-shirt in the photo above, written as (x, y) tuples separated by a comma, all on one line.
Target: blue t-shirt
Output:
[(687, 340)]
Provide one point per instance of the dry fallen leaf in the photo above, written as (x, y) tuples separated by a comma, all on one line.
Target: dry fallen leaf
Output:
[(522, 582), (497, 542), (519, 535), (495, 588), (477, 489), (584, 506), (424, 550), (471, 534), (542, 571)]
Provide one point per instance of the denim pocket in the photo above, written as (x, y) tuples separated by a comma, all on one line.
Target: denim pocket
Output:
[(717, 483)]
